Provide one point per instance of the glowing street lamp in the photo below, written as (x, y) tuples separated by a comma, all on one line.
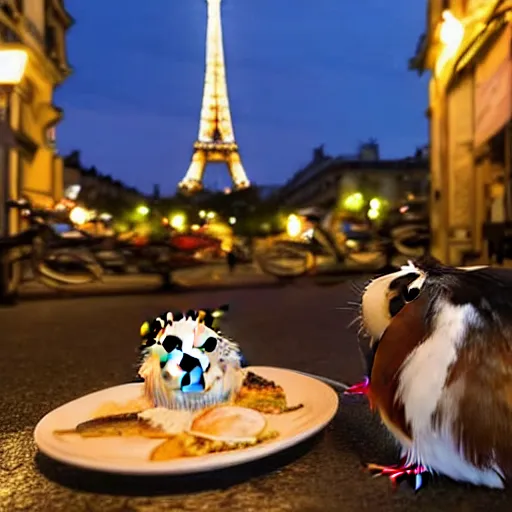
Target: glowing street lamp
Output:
[(210, 215), (232, 220), (373, 214), (78, 215), (451, 34), (354, 202), (452, 31), (178, 221), (202, 214), (375, 203), (142, 210), (293, 226), (12, 67)]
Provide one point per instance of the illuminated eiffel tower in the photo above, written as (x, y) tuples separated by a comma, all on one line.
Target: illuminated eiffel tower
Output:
[(216, 140)]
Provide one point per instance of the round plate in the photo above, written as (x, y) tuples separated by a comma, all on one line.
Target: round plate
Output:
[(130, 455)]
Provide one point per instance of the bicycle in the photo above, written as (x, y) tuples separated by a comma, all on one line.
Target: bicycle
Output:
[(34, 245)]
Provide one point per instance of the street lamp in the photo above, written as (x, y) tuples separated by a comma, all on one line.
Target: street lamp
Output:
[(78, 215), (142, 210), (178, 221), (293, 226), (13, 62)]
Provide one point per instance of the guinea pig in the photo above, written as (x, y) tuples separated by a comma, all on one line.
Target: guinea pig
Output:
[(440, 370)]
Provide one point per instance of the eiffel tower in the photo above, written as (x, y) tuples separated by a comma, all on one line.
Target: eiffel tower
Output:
[(216, 139)]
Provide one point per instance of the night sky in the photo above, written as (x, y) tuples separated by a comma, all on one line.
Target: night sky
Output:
[(300, 73)]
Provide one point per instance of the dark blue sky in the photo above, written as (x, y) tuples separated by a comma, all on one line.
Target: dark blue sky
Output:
[(300, 73)]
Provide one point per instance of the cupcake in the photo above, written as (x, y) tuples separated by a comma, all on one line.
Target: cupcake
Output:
[(186, 363)]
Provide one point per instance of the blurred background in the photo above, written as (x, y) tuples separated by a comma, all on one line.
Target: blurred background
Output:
[(270, 138)]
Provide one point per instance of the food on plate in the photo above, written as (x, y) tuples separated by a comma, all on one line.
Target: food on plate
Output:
[(263, 395), (125, 425), (173, 422), (131, 406), (186, 434), (186, 363), (187, 445), (229, 424), (195, 397)]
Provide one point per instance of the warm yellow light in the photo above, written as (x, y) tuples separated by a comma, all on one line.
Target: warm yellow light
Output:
[(452, 30), (12, 66), (451, 35), (142, 210), (232, 220), (178, 221), (210, 215), (293, 225), (78, 215), (373, 214), (375, 203), (195, 227), (202, 214), (354, 202)]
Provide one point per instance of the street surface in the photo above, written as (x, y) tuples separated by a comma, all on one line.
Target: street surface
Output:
[(56, 350)]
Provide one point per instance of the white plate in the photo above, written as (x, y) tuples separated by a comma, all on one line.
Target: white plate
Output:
[(129, 455)]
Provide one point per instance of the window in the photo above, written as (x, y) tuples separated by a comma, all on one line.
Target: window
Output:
[(51, 40)]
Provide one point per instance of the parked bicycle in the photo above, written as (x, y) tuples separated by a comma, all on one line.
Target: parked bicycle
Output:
[(48, 259), (317, 250)]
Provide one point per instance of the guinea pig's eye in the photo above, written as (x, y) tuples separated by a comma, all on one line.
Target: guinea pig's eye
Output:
[(410, 295)]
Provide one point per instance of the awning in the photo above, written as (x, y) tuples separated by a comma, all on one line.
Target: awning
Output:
[(493, 83), (482, 40)]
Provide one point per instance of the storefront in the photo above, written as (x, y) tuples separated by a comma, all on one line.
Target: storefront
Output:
[(468, 51)]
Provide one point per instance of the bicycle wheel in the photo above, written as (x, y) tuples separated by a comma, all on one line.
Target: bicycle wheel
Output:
[(411, 240), (49, 269), (371, 254), (285, 260)]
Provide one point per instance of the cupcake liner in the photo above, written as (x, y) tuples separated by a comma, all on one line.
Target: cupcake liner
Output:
[(222, 391)]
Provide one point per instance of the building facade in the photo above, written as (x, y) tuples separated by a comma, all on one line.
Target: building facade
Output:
[(30, 166), (466, 49), (97, 191), (327, 180)]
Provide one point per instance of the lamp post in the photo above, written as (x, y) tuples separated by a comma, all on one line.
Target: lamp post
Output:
[(13, 62), (12, 68)]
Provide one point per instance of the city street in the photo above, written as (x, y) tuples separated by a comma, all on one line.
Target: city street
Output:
[(54, 351)]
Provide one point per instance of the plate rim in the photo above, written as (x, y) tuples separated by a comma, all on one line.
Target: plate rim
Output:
[(217, 461)]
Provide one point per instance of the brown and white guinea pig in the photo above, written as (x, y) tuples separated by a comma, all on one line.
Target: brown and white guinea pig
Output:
[(440, 368)]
